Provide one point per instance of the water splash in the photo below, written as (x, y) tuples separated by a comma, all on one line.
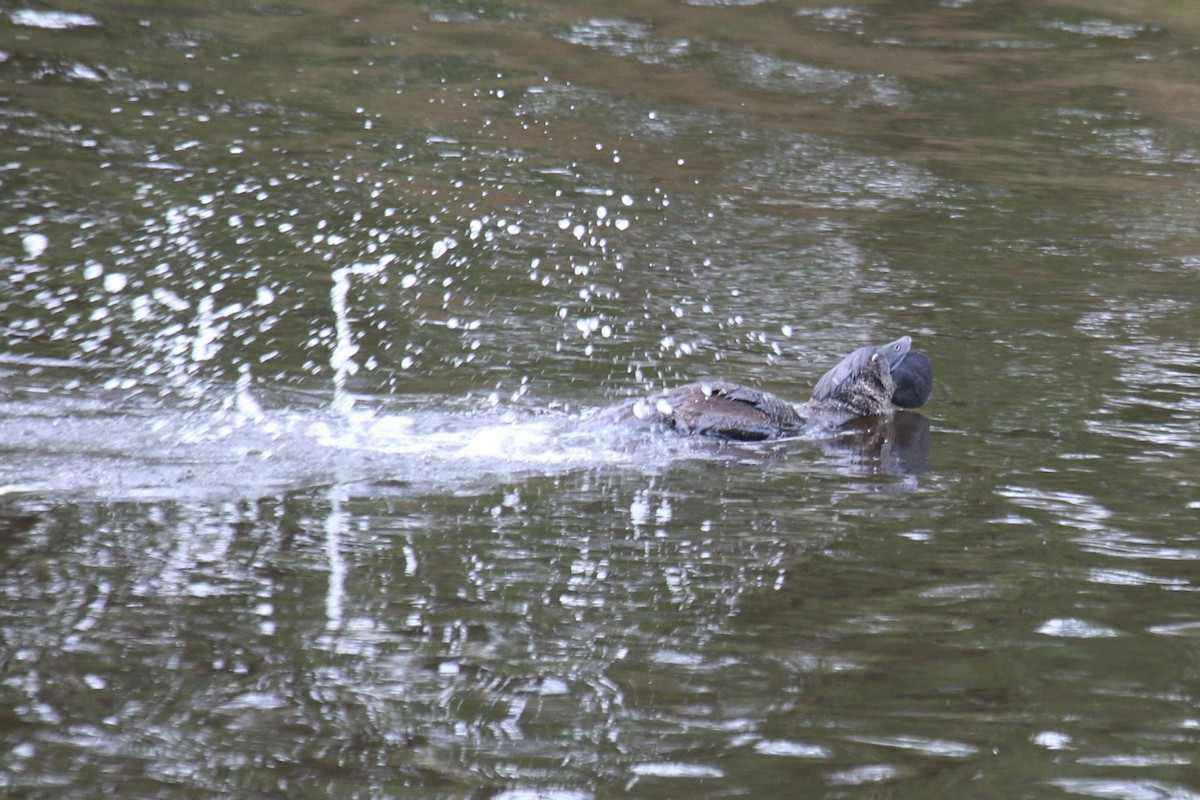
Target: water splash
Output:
[(344, 349)]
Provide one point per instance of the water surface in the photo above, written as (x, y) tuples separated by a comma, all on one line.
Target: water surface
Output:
[(304, 302)]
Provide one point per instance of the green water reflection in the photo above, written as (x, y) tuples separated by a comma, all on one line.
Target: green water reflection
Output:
[(475, 220)]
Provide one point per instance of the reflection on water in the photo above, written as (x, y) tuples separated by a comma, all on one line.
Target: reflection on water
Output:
[(304, 304)]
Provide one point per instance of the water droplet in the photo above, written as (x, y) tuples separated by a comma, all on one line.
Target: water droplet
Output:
[(35, 244)]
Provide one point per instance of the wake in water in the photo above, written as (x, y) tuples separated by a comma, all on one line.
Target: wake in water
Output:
[(91, 444), (161, 431), (65, 436), (99, 443)]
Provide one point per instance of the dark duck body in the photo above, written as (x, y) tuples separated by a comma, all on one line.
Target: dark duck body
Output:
[(868, 382)]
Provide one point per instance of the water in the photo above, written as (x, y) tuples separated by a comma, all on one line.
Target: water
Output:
[(304, 304)]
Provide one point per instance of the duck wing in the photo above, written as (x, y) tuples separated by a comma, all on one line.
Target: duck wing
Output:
[(722, 409)]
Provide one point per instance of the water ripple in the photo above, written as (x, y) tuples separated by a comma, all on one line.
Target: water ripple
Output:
[(920, 744), (1072, 628), (1127, 545), (1118, 789), (1072, 509)]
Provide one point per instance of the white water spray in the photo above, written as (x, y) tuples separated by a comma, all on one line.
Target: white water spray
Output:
[(344, 349), (247, 407)]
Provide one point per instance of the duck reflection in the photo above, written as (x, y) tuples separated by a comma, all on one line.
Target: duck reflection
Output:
[(893, 445)]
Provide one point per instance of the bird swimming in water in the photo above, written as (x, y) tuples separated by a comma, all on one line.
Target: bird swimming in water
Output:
[(868, 382)]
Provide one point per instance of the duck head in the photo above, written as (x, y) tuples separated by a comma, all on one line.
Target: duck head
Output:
[(868, 381)]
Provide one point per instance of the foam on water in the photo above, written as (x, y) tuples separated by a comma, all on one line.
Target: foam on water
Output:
[(51, 20), (424, 433), (90, 445)]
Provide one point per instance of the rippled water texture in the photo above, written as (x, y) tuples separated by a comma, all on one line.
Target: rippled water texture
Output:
[(304, 303)]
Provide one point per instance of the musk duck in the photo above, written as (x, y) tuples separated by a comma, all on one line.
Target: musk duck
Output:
[(868, 382)]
